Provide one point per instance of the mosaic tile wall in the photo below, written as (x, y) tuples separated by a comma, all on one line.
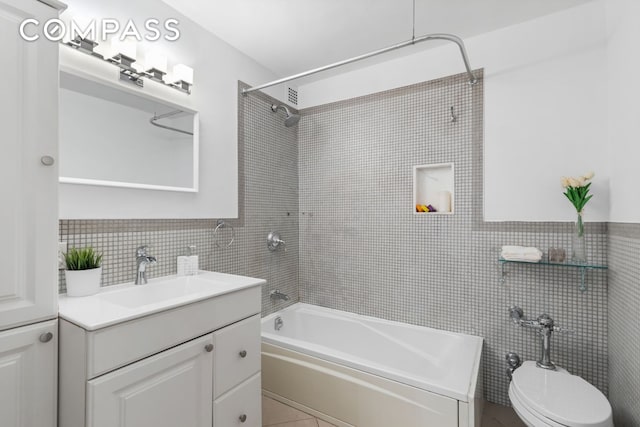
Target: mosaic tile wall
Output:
[(624, 323), (268, 194), (362, 248)]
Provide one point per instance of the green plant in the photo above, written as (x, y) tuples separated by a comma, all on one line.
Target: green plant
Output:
[(577, 191), (82, 259)]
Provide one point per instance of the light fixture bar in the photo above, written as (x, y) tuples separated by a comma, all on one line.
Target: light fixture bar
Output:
[(128, 72), (450, 37)]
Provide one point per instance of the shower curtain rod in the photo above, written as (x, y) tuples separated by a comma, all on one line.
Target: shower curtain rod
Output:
[(153, 119), (450, 37)]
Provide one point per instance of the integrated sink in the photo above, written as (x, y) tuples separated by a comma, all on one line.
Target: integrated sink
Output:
[(119, 303), (161, 291)]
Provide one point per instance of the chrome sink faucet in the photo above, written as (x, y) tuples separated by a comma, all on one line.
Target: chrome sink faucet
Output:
[(545, 325), (142, 261)]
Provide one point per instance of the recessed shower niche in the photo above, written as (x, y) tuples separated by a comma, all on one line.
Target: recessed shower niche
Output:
[(433, 188)]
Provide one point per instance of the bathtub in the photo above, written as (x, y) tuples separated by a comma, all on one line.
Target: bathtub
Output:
[(353, 370)]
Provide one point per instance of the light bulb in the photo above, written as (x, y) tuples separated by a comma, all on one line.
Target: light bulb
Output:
[(157, 60), (183, 73)]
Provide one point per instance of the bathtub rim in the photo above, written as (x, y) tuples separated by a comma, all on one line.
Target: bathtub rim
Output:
[(470, 395)]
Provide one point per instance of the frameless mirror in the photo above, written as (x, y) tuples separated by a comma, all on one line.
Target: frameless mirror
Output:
[(113, 137)]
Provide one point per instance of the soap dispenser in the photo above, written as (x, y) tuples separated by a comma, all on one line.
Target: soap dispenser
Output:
[(183, 264), (192, 261), (188, 264)]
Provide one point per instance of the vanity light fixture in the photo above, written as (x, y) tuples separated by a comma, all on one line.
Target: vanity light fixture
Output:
[(124, 55)]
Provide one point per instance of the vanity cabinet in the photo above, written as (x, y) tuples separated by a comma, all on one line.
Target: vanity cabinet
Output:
[(28, 375), (196, 365)]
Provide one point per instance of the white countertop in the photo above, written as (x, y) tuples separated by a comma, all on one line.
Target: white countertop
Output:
[(119, 303)]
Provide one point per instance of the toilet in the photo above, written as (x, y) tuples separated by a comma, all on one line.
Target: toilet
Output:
[(548, 398)]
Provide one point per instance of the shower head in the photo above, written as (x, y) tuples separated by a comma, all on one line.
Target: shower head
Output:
[(291, 119)]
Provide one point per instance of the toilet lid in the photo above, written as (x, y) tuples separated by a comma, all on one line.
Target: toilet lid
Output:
[(564, 398)]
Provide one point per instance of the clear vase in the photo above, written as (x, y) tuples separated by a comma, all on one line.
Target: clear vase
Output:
[(578, 245)]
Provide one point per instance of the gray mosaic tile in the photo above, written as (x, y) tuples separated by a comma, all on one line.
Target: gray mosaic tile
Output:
[(624, 323), (362, 249)]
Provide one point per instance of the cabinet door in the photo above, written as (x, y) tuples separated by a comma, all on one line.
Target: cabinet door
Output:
[(241, 406), (173, 388), (28, 375), (28, 187)]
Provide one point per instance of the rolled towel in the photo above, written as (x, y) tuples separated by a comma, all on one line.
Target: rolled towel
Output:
[(521, 253)]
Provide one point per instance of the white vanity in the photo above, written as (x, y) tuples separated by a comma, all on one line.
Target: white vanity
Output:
[(179, 351)]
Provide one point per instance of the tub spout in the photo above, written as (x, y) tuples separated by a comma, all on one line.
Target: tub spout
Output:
[(276, 295)]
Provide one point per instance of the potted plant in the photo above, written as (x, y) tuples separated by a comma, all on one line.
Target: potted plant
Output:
[(83, 272)]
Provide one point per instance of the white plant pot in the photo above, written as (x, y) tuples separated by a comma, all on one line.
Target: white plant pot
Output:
[(81, 283)]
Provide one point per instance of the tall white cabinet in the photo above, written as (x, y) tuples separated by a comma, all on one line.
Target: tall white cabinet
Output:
[(28, 217)]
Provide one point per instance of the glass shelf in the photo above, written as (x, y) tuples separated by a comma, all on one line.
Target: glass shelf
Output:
[(582, 267)]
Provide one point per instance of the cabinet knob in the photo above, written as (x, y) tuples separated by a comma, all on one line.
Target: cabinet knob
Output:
[(243, 354), (47, 160), (242, 418), (208, 348), (46, 337)]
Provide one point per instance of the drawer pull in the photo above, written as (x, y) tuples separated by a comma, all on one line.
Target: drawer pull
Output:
[(243, 354), (208, 348), (46, 337), (242, 418)]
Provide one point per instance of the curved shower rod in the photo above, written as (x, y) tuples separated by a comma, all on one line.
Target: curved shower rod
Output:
[(438, 36), (155, 117)]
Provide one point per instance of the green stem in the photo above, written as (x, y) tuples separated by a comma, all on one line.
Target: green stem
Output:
[(580, 225)]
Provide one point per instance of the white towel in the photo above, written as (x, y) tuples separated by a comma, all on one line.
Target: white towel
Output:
[(521, 253)]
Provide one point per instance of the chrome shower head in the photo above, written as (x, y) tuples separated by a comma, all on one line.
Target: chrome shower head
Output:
[(291, 119)]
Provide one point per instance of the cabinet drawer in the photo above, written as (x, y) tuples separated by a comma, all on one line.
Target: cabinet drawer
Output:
[(121, 344), (241, 407), (237, 354)]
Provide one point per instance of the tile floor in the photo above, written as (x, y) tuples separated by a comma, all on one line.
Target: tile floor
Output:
[(276, 414), (500, 416)]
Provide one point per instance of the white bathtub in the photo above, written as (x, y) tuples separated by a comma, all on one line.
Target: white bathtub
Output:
[(361, 371)]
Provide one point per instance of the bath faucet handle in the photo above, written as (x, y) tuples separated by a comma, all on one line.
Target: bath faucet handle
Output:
[(142, 250), (274, 241)]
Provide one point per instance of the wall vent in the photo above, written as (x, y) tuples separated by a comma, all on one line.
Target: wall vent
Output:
[(293, 96)]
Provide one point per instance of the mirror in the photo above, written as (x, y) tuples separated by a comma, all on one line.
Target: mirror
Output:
[(117, 138)]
